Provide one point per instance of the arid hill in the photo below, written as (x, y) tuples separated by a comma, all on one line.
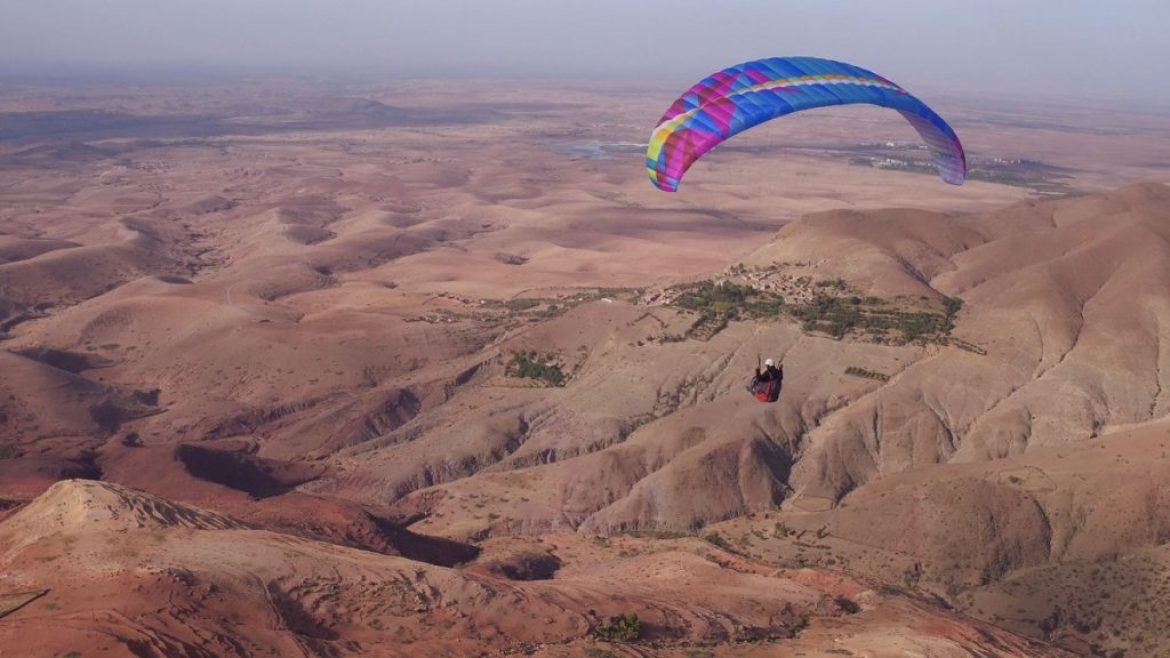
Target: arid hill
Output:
[(366, 371), (657, 435), (192, 582)]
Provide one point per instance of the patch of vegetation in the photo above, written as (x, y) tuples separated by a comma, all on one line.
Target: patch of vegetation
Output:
[(536, 309), (834, 310), (836, 316), (707, 325), (511, 259), (847, 605), (632, 424), (716, 539), (720, 303), (621, 628), (867, 374), (839, 316), (729, 298), (523, 304), (912, 576), (951, 308), (552, 311), (629, 294), (529, 364), (799, 626), (966, 345), (9, 451), (657, 534)]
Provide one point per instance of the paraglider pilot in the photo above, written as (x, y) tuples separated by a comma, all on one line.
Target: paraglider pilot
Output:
[(765, 386)]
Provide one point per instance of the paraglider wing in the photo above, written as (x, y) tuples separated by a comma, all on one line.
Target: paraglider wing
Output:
[(743, 96)]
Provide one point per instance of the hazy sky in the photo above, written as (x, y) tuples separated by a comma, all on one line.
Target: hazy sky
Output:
[(1090, 47)]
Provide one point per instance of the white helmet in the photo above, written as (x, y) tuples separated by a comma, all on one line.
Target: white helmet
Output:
[(769, 362)]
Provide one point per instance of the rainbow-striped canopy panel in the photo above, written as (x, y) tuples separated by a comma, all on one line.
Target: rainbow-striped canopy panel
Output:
[(742, 96)]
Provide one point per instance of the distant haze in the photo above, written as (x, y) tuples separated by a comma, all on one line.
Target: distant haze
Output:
[(1072, 47)]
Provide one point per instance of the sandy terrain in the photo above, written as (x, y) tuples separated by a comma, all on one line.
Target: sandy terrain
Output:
[(192, 582), (380, 360)]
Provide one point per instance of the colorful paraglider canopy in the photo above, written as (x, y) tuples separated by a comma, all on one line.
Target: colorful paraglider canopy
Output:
[(743, 96)]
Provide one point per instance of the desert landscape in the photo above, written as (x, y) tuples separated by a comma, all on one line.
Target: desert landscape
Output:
[(427, 368)]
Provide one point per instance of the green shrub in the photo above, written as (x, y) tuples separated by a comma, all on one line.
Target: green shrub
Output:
[(621, 628), (951, 307), (522, 304), (527, 364), (717, 539), (867, 374), (847, 605)]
